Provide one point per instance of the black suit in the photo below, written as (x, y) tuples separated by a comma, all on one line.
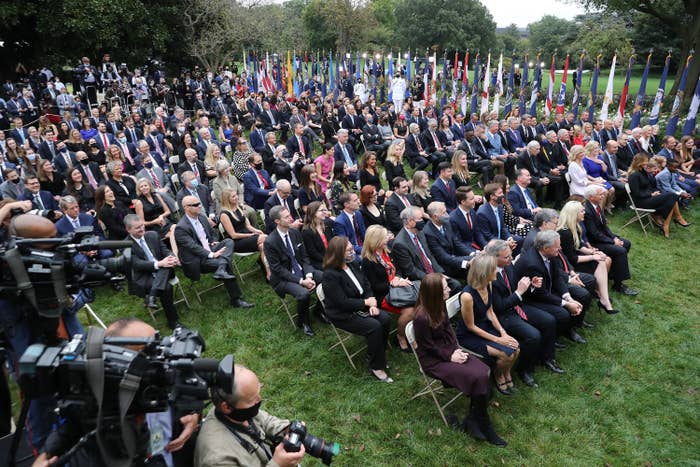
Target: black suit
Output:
[(448, 249), (195, 258), (413, 150), (548, 297), (600, 236), (146, 279), (342, 302), (283, 279), (201, 170), (273, 201), (536, 334), (392, 211)]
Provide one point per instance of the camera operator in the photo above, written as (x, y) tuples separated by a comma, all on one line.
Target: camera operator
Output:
[(163, 449), (238, 433)]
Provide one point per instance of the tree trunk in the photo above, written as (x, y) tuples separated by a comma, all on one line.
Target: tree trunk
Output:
[(691, 40)]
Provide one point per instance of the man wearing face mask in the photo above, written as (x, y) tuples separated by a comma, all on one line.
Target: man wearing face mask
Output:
[(449, 251), (237, 432), (194, 165), (491, 222), (192, 187), (128, 149), (89, 170), (257, 183), (11, 188), (63, 158)]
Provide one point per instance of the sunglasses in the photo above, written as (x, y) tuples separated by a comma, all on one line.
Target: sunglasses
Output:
[(194, 205)]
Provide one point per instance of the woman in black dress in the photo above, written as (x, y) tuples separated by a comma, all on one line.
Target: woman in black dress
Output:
[(372, 213), (647, 195), (48, 179), (441, 357), (80, 190), (329, 127), (393, 165), (351, 306), (154, 212), (479, 329), (111, 212), (369, 174), (317, 232), (309, 191), (236, 226)]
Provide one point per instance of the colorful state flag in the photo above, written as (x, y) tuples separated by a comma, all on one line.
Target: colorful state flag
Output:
[(509, 90), (498, 91), (523, 86), (562, 88), (639, 101), (536, 87), (659, 97), (475, 86), (689, 127), (485, 90), (577, 86), (676, 109), (594, 89), (550, 88), (607, 100), (625, 90)]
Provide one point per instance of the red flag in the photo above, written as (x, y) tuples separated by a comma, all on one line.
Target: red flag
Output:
[(465, 79), (454, 67)]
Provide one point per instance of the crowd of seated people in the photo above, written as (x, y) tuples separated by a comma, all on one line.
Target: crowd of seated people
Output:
[(320, 209)]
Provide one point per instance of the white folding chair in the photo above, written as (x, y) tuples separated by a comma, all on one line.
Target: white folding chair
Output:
[(176, 182), (92, 315), (641, 215), (454, 307), (433, 386), (177, 289), (342, 336), (237, 257)]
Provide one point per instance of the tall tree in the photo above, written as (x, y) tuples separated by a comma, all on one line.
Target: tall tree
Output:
[(683, 15), (510, 38), (456, 24), (604, 33), (550, 33)]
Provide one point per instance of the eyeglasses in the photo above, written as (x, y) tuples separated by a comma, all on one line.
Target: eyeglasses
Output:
[(194, 205)]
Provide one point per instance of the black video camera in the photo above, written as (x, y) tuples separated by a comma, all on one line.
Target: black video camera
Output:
[(42, 271), (316, 447)]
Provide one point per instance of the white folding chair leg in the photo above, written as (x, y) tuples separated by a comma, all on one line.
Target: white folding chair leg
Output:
[(92, 315)]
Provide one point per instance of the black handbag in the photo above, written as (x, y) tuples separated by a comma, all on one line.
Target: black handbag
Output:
[(402, 297)]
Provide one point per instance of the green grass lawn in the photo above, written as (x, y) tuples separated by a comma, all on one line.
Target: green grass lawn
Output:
[(628, 397)]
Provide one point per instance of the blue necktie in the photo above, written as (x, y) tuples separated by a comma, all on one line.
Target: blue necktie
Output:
[(532, 201), (296, 268), (498, 223)]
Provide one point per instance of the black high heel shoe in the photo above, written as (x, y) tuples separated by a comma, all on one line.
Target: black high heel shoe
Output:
[(612, 311)]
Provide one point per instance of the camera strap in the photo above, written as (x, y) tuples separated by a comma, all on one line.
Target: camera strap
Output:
[(251, 431), (94, 368)]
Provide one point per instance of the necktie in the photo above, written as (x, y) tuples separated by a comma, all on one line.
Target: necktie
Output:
[(155, 143), (133, 135), (564, 263), (69, 163), (531, 202), (39, 202), (301, 146), (91, 178), (201, 235), (600, 213), (498, 222), (127, 154), (296, 268), (613, 167), (263, 181), (435, 140), (154, 178), (420, 148), (348, 161), (518, 308), (146, 250), (447, 186), (547, 265), (272, 119), (194, 169), (356, 227), (105, 142), (424, 259), (405, 201), (76, 223)]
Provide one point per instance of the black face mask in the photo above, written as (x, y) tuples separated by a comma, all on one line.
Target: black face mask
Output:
[(16, 181), (258, 166), (85, 161), (242, 415)]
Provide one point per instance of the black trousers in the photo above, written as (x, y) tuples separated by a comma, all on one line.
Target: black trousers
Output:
[(301, 294), (224, 261), (620, 269), (376, 331), (528, 337), (161, 288), (560, 314)]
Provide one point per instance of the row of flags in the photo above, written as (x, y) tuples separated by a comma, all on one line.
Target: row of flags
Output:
[(327, 71)]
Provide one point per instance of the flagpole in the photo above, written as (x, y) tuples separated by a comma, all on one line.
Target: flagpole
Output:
[(659, 97), (675, 110)]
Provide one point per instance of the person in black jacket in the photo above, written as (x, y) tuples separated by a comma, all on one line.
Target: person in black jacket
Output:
[(351, 306), (317, 232)]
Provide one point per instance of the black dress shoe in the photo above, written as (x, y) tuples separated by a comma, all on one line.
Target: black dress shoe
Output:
[(222, 276), (559, 345), (528, 379), (623, 289), (150, 302), (175, 325), (240, 303), (576, 337), (553, 366), (307, 330), (586, 324)]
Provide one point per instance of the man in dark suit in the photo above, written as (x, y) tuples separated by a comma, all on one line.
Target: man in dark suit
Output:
[(90, 170), (434, 146), (514, 137), (194, 165), (283, 197), (47, 148), (519, 196), (490, 219), (399, 200), (271, 121), (443, 189), (298, 143), (41, 199), (535, 329), (477, 157), (447, 248), (19, 133), (410, 251), (258, 137), (191, 187), (344, 152), (104, 139), (415, 148), (614, 174), (353, 124), (72, 220), (133, 134), (601, 237), (291, 271), (549, 290), (63, 158), (199, 253), (152, 268), (349, 222), (463, 220), (529, 160), (373, 138), (257, 183)]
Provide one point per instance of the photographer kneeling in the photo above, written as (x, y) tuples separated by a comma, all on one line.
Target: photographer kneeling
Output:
[(238, 433)]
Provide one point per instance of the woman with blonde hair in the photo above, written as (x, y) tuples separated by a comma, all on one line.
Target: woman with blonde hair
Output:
[(393, 165), (578, 177), (596, 170), (154, 212), (420, 188), (237, 227), (381, 272), (582, 256), (460, 169), (212, 156), (479, 329), (689, 158)]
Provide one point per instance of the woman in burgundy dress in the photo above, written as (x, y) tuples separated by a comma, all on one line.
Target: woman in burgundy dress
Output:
[(441, 357)]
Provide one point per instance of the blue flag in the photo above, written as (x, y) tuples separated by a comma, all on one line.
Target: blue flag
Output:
[(577, 86), (659, 97), (676, 109), (689, 127), (536, 86), (509, 92), (639, 101), (594, 89)]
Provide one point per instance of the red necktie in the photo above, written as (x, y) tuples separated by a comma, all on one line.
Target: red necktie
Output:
[(426, 263), (420, 149), (301, 147), (435, 140), (563, 260), (357, 230), (154, 178), (262, 180), (600, 213), (106, 142), (405, 201), (518, 308)]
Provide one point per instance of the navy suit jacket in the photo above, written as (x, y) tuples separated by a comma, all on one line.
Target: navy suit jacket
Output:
[(338, 153), (487, 225), (100, 143), (343, 226), (60, 162), (447, 248), (470, 237), (46, 198), (517, 201), (64, 226), (439, 192), (254, 195), (257, 141)]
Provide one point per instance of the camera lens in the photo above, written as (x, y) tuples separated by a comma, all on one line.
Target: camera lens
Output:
[(317, 447)]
